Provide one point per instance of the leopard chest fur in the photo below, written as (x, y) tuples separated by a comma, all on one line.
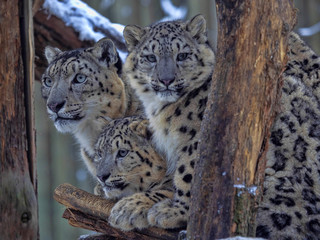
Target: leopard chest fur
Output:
[(176, 126)]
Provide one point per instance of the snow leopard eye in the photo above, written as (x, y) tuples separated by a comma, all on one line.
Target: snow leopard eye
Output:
[(151, 58), (122, 153), (79, 78), (47, 82), (182, 56), (98, 156)]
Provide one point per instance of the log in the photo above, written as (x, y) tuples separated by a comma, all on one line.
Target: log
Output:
[(50, 30), (79, 219), (252, 44), (89, 211), (77, 199)]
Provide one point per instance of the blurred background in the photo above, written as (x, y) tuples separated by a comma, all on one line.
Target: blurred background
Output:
[(58, 157)]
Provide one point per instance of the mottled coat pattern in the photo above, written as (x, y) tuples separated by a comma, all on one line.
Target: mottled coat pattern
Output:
[(291, 202), (83, 92), (170, 66), (129, 169)]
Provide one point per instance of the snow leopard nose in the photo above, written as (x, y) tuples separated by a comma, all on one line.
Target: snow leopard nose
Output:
[(166, 81), (56, 106), (166, 70), (103, 177)]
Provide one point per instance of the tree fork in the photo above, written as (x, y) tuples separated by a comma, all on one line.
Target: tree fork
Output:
[(252, 45)]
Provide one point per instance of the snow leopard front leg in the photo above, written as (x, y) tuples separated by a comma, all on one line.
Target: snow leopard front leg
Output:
[(174, 213), (131, 212), (170, 66)]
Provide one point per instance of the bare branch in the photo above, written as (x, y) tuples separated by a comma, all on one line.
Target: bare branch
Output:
[(90, 25), (89, 211), (52, 27)]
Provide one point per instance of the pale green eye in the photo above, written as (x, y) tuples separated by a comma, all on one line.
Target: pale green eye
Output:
[(79, 78), (182, 56), (151, 58), (47, 82), (122, 153), (98, 156)]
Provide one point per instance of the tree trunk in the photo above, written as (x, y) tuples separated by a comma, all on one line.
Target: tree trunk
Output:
[(18, 191), (252, 43)]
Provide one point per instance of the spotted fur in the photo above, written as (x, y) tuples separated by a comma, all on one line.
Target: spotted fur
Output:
[(291, 205), (129, 169), (83, 92), (170, 66), (290, 209)]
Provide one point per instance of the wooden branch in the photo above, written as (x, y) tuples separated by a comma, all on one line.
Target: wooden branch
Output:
[(89, 211), (83, 201), (50, 30), (252, 45)]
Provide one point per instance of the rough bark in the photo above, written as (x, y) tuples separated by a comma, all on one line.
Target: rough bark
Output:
[(18, 200), (89, 211), (252, 43)]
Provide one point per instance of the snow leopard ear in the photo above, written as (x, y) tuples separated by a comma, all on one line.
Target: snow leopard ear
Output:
[(141, 128), (132, 34), (197, 27), (105, 51), (51, 53)]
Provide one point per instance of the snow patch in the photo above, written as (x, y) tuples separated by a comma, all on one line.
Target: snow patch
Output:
[(251, 190), (239, 186), (122, 55), (309, 31), (241, 238), (82, 18), (172, 12), (85, 20), (183, 236)]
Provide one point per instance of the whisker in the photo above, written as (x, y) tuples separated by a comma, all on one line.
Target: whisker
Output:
[(134, 174), (129, 175)]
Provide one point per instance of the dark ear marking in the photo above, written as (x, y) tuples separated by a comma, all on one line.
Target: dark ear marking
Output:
[(197, 27), (133, 34), (148, 134), (51, 53), (118, 65), (141, 128), (105, 51)]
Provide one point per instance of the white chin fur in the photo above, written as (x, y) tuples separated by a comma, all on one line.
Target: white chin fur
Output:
[(66, 126), (117, 194), (167, 96), (112, 194)]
